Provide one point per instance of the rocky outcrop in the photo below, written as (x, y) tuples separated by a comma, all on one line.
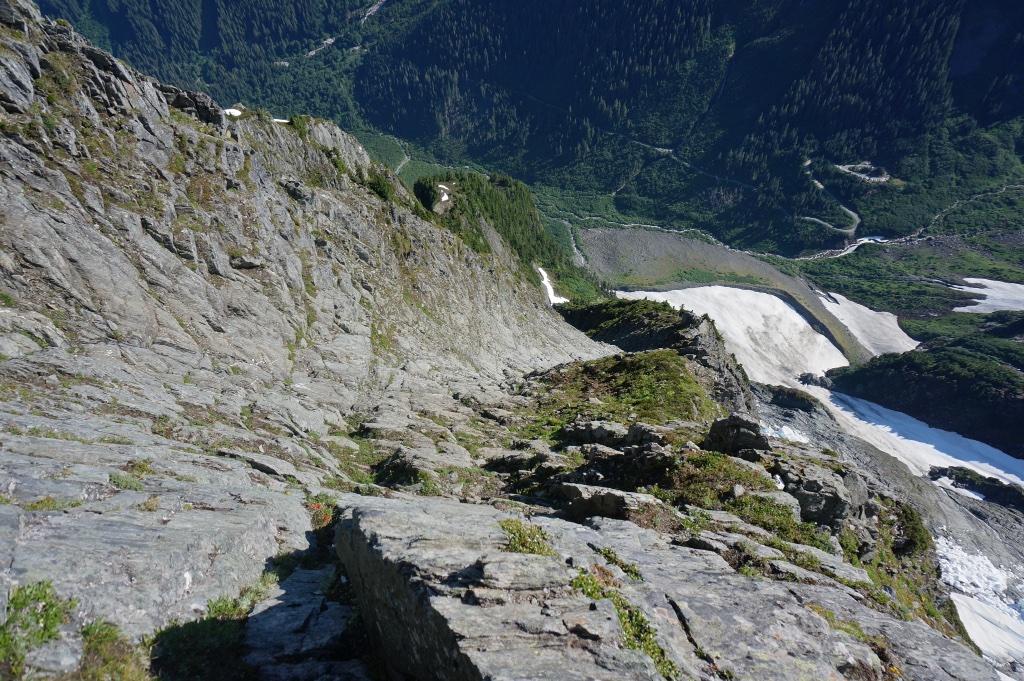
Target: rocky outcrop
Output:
[(639, 325), (585, 501), (734, 434), (446, 599)]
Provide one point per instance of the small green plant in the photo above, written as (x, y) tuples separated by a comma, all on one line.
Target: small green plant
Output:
[(526, 538), (322, 510), (852, 628), (631, 569), (34, 615), (138, 468), (4, 500), (125, 482), (851, 545), (638, 633), (211, 648), (6, 299), (108, 655), (51, 504), (695, 521), (177, 164), (428, 485)]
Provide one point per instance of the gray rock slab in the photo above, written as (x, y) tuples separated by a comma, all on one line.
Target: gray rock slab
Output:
[(435, 566)]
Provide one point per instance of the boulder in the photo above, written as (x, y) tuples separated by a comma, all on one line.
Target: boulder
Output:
[(443, 598), (735, 433), (606, 433), (586, 501), (822, 494)]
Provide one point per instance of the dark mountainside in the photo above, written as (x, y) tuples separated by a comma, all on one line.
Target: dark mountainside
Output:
[(690, 113), (265, 416)]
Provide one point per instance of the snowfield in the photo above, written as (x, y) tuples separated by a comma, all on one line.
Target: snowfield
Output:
[(879, 332), (994, 295), (553, 298)]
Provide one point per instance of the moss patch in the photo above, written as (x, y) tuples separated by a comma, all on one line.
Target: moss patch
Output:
[(654, 387)]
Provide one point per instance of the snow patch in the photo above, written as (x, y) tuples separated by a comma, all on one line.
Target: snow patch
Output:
[(993, 621), (769, 338), (553, 298), (233, 112), (995, 295), (784, 433), (281, 120), (879, 332), (914, 442)]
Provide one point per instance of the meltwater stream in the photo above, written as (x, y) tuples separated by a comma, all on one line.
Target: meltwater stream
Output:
[(776, 345)]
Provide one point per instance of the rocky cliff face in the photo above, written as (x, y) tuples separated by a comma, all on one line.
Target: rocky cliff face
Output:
[(196, 310), (256, 406)]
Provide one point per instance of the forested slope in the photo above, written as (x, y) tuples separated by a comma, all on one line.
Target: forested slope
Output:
[(689, 113)]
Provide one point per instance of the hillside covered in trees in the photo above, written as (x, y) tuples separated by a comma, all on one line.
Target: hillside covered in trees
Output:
[(730, 116)]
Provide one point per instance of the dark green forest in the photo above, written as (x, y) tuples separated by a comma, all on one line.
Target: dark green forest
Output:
[(690, 113)]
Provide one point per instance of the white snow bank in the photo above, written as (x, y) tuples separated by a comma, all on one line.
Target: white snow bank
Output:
[(879, 332), (233, 112), (769, 338), (993, 621), (281, 120), (914, 442), (995, 295), (553, 298)]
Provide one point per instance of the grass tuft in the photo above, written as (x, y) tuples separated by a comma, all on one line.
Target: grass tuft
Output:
[(526, 538)]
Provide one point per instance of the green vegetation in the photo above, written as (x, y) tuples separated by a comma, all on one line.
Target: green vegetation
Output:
[(653, 387), (526, 538), (851, 628), (615, 320), (638, 634), (631, 569), (52, 504), (905, 573), (35, 614), (613, 116), (125, 482), (778, 518), (323, 509), (212, 647), (706, 479), (108, 655), (508, 206)]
